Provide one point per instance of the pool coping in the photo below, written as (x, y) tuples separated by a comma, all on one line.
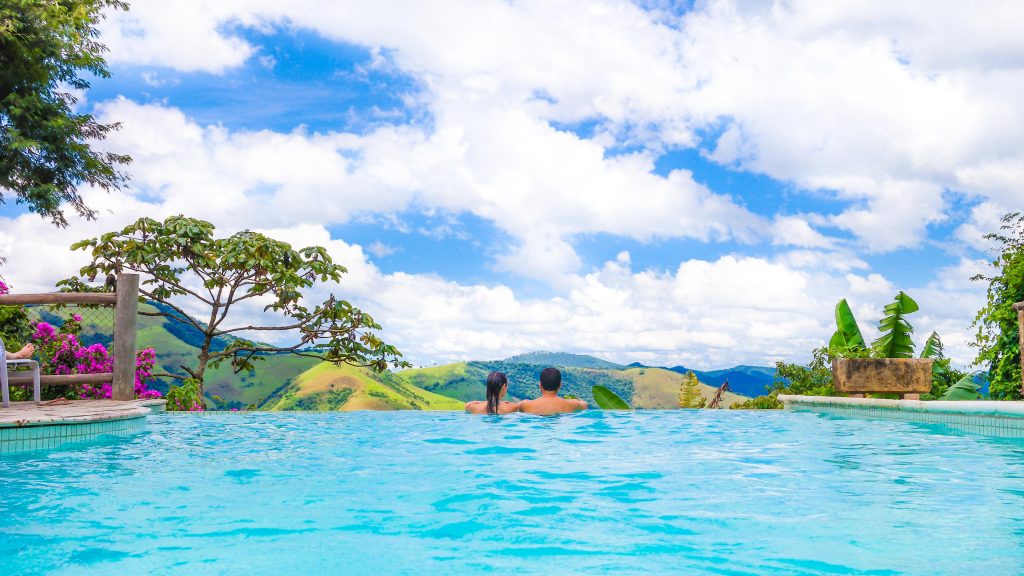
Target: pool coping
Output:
[(1001, 419), (28, 427), (22, 414), (1002, 409)]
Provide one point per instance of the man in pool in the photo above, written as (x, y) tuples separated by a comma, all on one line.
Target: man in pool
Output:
[(549, 402)]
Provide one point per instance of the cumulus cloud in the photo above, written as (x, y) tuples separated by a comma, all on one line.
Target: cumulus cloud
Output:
[(868, 104)]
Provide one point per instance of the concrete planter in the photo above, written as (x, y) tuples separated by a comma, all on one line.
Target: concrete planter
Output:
[(908, 377)]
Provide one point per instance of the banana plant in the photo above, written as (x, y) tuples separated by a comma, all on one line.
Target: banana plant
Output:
[(608, 400), (847, 335), (965, 389), (895, 341), (933, 349)]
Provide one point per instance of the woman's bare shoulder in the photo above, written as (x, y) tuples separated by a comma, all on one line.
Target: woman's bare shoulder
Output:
[(508, 407)]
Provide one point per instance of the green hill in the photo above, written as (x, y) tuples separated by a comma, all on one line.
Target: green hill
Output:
[(346, 388), (563, 360), (288, 382), (643, 387), (659, 388), (459, 380)]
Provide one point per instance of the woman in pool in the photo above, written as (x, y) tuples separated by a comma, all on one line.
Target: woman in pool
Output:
[(497, 386)]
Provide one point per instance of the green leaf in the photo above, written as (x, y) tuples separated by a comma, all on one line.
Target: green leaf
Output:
[(608, 400), (965, 389), (933, 348), (848, 333), (895, 341)]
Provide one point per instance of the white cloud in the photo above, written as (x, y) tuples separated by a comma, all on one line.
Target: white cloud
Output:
[(380, 249), (869, 100), (495, 165), (882, 106)]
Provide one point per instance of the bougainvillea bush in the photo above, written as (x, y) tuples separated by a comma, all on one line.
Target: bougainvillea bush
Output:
[(59, 351)]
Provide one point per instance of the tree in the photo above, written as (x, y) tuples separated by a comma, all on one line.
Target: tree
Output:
[(689, 392), (45, 151), (180, 259), (997, 325), (814, 379)]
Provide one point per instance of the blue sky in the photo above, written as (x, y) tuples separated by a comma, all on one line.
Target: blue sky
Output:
[(692, 185)]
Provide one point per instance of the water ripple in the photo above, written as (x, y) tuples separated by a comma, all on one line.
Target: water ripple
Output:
[(446, 493)]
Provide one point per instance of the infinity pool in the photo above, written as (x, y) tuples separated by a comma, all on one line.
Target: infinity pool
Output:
[(673, 492)]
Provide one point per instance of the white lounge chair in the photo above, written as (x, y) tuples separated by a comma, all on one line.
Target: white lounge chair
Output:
[(4, 388)]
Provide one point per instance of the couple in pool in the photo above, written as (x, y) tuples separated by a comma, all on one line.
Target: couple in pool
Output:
[(549, 402)]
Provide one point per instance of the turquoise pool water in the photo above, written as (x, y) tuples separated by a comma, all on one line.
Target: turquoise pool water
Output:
[(696, 492)]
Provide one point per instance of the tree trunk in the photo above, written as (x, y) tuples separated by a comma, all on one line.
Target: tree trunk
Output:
[(204, 359)]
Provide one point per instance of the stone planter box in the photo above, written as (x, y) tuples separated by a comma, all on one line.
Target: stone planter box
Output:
[(908, 377)]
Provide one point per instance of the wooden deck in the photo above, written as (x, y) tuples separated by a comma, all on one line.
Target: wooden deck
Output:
[(75, 412)]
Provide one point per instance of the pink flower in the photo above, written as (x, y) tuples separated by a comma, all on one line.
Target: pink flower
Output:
[(3, 288), (76, 317), (44, 332)]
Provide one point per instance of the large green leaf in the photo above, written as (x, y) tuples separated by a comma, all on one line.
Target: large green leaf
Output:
[(608, 400), (895, 341), (965, 389), (847, 333), (933, 348)]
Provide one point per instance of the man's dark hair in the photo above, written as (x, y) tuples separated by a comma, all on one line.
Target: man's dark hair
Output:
[(550, 379)]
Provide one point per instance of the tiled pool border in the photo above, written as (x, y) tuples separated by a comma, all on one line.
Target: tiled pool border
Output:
[(988, 418), (48, 435)]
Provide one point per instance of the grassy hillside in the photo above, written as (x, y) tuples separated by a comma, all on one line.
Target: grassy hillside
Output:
[(459, 380), (286, 382), (643, 387), (563, 360), (346, 388), (659, 388)]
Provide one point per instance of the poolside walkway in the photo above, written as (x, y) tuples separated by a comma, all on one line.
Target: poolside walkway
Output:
[(74, 412)]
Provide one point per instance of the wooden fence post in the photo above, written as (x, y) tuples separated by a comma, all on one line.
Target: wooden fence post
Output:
[(1019, 307), (126, 312)]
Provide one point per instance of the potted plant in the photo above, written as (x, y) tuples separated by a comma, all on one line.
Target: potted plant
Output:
[(889, 365)]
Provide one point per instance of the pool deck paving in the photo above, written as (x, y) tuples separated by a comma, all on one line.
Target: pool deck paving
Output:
[(74, 412)]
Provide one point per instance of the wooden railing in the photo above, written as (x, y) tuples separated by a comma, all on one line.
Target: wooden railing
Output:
[(125, 301)]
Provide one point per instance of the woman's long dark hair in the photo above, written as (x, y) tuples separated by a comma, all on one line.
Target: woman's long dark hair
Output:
[(495, 382)]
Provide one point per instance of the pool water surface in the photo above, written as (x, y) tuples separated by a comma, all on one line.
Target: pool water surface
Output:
[(653, 492)]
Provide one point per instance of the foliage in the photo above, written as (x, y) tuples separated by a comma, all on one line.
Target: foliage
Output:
[(48, 50), (895, 341), (180, 258), (996, 323), (608, 400), (15, 328), (59, 351), (814, 379), (943, 375), (689, 392), (964, 389), (185, 397), (847, 334)]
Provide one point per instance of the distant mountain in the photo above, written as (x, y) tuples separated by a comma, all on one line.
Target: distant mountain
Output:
[(288, 382), (643, 387), (563, 359), (745, 380)]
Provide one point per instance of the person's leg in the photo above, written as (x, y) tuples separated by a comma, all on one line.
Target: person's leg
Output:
[(25, 353)]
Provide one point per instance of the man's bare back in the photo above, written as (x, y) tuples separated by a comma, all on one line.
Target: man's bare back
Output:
[(549, 402)]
